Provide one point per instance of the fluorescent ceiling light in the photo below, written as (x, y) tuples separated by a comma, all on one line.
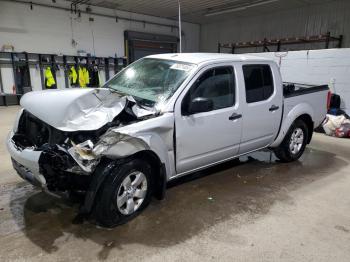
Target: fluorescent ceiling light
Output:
[(239, 8)]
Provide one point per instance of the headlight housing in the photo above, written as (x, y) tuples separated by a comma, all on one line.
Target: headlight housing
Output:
[(15, 125)]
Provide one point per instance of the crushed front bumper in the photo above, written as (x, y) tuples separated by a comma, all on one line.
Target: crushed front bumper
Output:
[(26, 163)]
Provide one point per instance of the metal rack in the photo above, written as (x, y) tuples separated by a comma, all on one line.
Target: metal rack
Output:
[(116, 63), (57, 61), (278, 43)]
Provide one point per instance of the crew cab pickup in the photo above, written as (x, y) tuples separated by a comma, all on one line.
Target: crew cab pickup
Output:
[(162, 117)]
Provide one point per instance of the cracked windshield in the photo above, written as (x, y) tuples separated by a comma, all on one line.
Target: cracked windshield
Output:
[(151, 81)]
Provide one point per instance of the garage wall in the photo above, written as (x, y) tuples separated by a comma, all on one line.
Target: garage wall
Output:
[(317, 67), (47, 30), (314, 19)]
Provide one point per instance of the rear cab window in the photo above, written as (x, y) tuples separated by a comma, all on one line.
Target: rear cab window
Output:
[(258, 82)]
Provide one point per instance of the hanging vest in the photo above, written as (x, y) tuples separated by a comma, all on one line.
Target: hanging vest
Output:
[(73, 76), (49, 79), (83, 76)]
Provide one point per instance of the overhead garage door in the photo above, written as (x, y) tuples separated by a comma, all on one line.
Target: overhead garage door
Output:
[(138, 45)]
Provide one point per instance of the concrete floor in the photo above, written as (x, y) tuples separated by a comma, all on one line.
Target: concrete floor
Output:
[(247, 210)]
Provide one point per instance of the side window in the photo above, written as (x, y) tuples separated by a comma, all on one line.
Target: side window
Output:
[(216, 84), (258, 82)]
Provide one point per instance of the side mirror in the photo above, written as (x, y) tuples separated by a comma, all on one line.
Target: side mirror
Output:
[(200, 104)]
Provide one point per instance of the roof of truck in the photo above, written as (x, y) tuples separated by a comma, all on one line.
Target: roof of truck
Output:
[(198, 58)]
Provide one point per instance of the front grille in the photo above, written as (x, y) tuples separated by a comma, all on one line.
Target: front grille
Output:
[(31, 132)]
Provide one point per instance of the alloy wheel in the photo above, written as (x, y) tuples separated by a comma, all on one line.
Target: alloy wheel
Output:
[(132, 192), (296, 141)]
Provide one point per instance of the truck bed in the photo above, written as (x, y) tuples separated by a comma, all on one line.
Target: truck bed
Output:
[(297, 89), (309, 95)]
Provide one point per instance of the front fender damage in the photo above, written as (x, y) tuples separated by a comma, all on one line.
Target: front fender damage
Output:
[(113, 145)]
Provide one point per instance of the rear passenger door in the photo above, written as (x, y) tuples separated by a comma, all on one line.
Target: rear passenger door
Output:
[(262, 106)]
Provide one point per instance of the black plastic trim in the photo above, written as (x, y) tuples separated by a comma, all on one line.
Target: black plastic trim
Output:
[(280, 126), (162, 183), (102, 171), (306, 90)]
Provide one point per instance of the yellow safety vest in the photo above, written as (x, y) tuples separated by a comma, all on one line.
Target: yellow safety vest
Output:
[(73, 76), (49, 79), (84, 78)]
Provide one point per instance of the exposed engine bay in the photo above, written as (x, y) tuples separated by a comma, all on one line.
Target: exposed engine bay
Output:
[(69, 157)]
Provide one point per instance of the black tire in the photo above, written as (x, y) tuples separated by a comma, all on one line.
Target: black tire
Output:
[(283, 152), (106, 210)]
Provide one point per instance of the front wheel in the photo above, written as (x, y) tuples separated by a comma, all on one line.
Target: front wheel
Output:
[(124, 194), (294, 143)]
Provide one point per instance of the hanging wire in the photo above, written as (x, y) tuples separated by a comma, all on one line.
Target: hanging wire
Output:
[(93, 37), (74, 43)]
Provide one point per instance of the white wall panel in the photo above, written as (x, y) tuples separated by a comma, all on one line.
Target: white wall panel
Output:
[(7, 79), (35, 77), (47, 30), (60, 82)]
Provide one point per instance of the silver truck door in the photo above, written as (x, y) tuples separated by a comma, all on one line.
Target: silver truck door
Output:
[(208, 137), (262, 106)]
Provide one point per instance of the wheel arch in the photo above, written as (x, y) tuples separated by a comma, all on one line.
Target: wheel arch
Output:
[(158, 171), (306, 118), (106, 166), (301, 111)]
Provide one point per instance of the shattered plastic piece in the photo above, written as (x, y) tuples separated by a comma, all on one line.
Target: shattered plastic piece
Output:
[(85, 150), (86, 165), (141, 112), (112, 144), (82, 154)]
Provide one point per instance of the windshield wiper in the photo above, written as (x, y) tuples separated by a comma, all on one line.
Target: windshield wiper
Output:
[(133, 98), (116, 91), (137, 102)]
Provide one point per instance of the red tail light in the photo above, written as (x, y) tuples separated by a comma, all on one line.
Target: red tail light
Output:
[(329, 95)]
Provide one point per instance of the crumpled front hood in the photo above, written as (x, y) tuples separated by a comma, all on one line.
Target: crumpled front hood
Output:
[(74, 109)]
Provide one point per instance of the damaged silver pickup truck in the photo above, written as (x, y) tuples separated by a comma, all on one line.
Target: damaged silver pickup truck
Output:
[(162, 117)]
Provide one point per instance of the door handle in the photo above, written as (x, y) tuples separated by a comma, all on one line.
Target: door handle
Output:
[(235, 116), (273, 108)]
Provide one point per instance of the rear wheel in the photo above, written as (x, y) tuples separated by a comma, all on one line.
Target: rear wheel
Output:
[(124, 194), (294, 143)]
